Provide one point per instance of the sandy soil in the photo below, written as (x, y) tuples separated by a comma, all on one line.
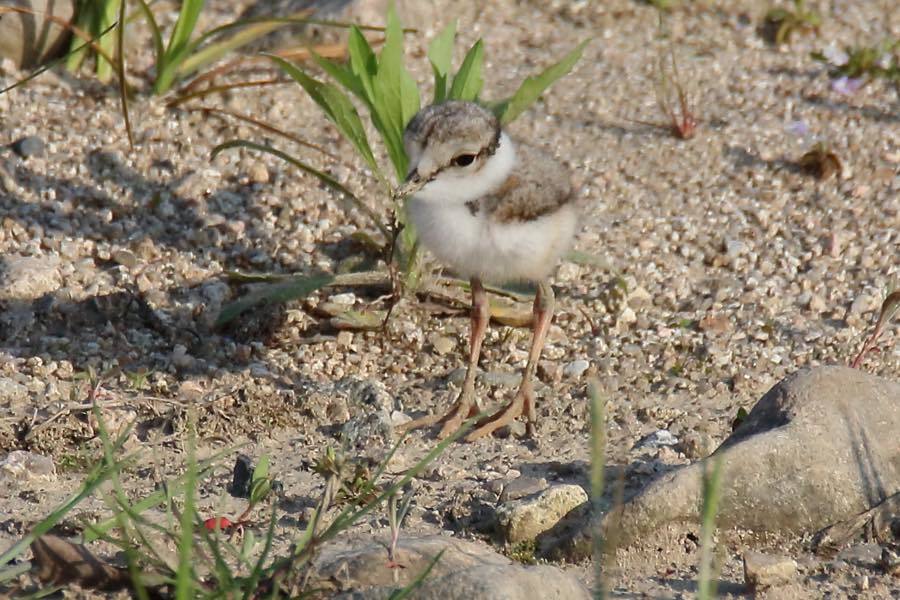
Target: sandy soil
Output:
[(729, 268)]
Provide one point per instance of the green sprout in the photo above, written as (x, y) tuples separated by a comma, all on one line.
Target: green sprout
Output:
[(880, 61), (780, 24), (382, 86)]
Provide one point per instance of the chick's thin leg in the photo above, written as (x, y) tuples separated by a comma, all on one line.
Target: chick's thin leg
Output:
[(523, 403), (466, 404)]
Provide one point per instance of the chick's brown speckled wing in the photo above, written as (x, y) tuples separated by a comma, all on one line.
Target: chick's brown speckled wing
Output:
[(538, 185)]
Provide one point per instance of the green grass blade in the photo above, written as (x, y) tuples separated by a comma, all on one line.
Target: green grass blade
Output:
[(196, 59), (440, 54), (296, 18), (712, 483), (184, 26), (179, 45), (95, 531), (184, 576), (158, 47), (598, 466), (258, 570), (295, 287), (120, 68), (225, 578), (468, 81), (532, 88), (337, 107), (108, 18), (351, 515), (86, 18), (94, 479), (323, 177)]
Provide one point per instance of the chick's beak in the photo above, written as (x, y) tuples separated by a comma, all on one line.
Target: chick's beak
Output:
[(411, 185)]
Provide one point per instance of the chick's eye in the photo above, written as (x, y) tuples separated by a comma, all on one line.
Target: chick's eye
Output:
[(464, 160)]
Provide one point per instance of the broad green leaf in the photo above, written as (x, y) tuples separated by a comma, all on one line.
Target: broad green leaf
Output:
[(342, 74), (247, 544), (259, 489), (440, 54), (468, 81), (337, 107), (396, 93), (296, 287), (362, 62), (261, 471), (532, 88)]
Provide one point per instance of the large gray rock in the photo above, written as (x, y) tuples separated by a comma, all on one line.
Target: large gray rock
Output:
[(31, 39), (820, 447), (465, 571)]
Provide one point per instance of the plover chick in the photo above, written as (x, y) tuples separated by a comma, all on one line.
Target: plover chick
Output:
[(493, 211)]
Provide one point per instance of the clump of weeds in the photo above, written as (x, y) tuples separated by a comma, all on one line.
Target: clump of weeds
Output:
[(780, 24)]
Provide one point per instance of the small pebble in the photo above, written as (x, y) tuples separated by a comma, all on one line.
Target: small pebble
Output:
[(443, 344), (657, 439), (764, 570), (259, 173), (126, 258), (29, 146), (180, 357), (344, 339), (576, 368)]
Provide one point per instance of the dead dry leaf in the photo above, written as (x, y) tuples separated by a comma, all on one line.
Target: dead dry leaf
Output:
[(60, 562)]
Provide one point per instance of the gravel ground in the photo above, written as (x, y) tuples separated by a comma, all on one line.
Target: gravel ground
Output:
[(730, 268)]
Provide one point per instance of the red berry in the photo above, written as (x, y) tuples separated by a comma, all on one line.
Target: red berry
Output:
[(221, 523)]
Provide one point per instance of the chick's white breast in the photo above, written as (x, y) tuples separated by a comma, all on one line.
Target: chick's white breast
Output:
[(477, 246)]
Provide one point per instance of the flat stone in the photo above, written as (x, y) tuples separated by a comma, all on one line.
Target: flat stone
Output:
[(12, 392), (29, 277), (29, 146), (126, 258), (576, 368), (521, 487), (527, 518), (27, 467), (658, 439), (765, 570), (465, 571), (368, 431), (443, 344)]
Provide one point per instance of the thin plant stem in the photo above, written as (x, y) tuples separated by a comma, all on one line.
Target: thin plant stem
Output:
[(598, 464)]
